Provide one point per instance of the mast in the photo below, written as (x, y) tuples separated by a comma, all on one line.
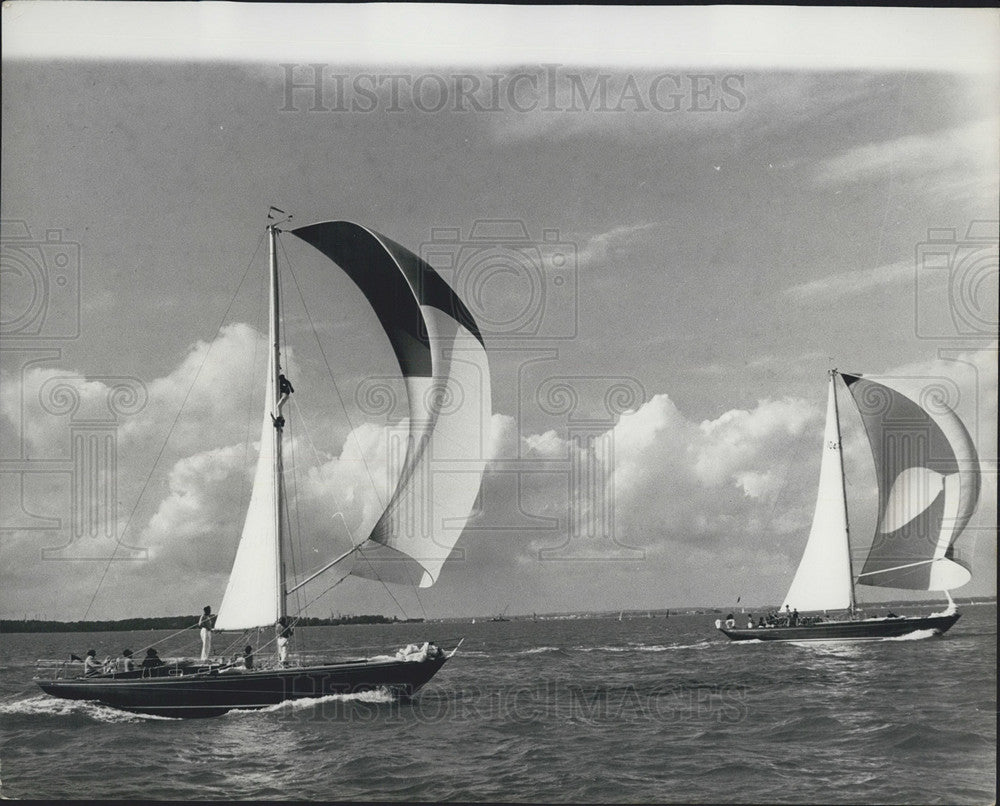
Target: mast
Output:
[(843, 484), (274, 337)]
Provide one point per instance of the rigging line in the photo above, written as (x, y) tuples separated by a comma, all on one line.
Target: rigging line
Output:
[(374, 570), (347, 415), (325, 592), (173, 424), (296, 544), (329, 370)]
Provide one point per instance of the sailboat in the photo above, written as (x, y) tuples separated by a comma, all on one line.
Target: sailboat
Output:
[(440, 352), (928, 487)]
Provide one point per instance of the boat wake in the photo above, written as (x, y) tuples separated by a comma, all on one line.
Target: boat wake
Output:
[(916, 635), (42, 705), (381, 695)]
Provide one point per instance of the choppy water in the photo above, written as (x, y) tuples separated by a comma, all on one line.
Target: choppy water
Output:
[(588, 710)]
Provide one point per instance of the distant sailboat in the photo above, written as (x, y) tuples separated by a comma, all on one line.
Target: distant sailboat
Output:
[(928, 481), (441, 354)]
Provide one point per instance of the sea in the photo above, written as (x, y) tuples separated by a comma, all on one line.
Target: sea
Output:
[(584, 710)]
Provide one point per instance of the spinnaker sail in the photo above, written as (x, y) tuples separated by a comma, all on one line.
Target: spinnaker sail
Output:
[(443, 360), (928, 482)]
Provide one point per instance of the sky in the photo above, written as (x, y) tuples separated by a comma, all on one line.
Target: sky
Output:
[(669, 223)]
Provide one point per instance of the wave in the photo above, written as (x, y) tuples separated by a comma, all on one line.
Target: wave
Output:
[(540, 649), (646, 647), (41, 705)]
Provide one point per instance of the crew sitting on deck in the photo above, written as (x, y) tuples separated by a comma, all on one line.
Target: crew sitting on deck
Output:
[(90, 664), (152, 660), (730, 621), (125, 662)]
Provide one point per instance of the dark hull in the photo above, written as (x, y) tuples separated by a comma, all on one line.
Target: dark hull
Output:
[(857, 630), (215, 693)]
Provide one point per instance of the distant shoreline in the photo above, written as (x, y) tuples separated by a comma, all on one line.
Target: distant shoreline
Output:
[(185, 622), (168, 623)]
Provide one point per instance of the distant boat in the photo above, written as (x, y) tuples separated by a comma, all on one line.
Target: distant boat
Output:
[(427, 325), (928, 483)]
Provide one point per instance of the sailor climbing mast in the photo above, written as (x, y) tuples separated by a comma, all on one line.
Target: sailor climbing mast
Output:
[(274, 339)]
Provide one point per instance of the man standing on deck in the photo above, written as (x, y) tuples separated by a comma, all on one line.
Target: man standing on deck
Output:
[(206, 622), (283, 631)]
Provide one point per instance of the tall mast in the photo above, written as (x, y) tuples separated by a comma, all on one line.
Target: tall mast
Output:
[(843, 484), (274, 336)]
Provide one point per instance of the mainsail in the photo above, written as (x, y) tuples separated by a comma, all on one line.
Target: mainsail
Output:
[(441, 354), (823, 578), (928, 483), (254, 596)]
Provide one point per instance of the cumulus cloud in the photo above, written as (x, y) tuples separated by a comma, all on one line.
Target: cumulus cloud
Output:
[(659, 485)]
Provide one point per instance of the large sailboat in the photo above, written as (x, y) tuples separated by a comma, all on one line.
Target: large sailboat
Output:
[(928, 488), (440, 351)]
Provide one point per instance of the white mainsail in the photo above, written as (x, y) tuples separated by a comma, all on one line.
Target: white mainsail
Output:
[(254, 595), (823, 579)]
